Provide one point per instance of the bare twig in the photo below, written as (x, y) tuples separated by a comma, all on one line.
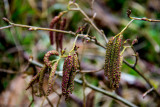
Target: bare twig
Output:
[(88, 19), (125, 28), (32, 98), (147, 92), (5, 27), (47, 97), (84, 85), (55, 30), (9, 71), (136, 55), (33, 28), (144, 19), (59, 100), (142, 75)]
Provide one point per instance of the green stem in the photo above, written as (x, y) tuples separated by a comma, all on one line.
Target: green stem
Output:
[(74, 44)]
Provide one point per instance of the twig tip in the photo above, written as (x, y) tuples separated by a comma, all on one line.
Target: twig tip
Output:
[(5, 19)]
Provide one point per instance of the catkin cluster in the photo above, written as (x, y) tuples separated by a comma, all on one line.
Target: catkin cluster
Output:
[(113, 61), (58, 23), (71, 65), (40, 75)]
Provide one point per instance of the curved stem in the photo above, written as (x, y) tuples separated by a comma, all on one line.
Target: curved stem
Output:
[(74, 44), (124, 28)]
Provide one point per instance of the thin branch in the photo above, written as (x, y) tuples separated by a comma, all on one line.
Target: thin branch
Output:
[(147, 92), (55, 30), (60, 96), (9, 71), (110, 94), (32, 98), (142, 75), (84, 85), (125, 28), (144, 19), (47, 97), (136, 55), (5, 27), (88, 19), (33, 28)]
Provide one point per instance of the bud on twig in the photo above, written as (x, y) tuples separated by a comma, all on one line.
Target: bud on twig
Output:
[(128, 13)]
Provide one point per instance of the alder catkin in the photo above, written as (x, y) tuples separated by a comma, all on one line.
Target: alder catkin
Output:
[(51, 76), (47, 55), (60, 36), (67, 67), (75, 62), (71, 65), (53, 22), (41, 77), (107, 59), (116, 62), (72, 75), (113, 61), (36, 77)]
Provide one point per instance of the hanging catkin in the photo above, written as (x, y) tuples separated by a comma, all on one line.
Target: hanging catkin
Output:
[(71, 65), (67, 67), (113, 61), (51, 76)]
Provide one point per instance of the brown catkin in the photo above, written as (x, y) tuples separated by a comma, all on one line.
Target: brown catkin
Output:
[(51, 76), (36, 77), (41, 77), (112, 68), (56, 37), (47, 55), (53, 22), (76, 62), (71, 65), (108, 55), (60, 35), (116, 62), (72, 75), (67, 67)]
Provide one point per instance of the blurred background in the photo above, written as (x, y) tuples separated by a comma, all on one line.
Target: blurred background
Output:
[(17, 44)]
